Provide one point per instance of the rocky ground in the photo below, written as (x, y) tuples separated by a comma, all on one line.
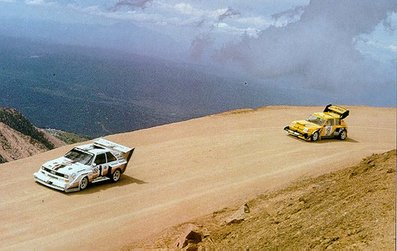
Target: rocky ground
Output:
[(353, 208)]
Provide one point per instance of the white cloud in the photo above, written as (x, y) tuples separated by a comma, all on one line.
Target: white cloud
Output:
[(173, 13), (187, 18), (186, 9), (255, 21), (381, 43), (236, 31), (392, 48), (35, 2), (289, 16)]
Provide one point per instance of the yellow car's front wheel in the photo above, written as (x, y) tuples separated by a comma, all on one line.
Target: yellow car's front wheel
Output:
[(315, 136)]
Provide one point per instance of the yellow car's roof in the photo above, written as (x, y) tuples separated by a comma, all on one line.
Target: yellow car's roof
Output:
[(327, 115)]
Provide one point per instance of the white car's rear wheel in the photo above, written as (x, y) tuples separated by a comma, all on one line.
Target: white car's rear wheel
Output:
[(116, 175), (83, 183)]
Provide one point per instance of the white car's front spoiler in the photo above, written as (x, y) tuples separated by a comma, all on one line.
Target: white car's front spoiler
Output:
[(54, 183)]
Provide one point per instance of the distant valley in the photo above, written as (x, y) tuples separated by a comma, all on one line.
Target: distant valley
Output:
[(96, 92)]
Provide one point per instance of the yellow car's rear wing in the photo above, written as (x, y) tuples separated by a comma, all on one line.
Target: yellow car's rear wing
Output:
[(341, 111)]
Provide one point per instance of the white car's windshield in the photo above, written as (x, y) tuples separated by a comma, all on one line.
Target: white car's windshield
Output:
[(79, 156), (316, 120)]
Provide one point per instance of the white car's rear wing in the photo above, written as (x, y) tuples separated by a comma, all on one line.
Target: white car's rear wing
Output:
[(126, 152)]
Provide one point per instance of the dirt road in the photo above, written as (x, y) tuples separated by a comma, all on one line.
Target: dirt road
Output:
[(179, 172)]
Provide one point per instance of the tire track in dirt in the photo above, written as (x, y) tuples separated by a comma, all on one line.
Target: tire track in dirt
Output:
[(214, 188)]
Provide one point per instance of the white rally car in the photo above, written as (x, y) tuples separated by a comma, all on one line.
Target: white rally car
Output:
[(90, 163)]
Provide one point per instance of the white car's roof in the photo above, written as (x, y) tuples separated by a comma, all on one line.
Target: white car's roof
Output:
[(98, 151), (93, 149), (102, 146)]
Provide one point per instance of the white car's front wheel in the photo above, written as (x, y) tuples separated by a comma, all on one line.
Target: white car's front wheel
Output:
[(83, 183), (116, 175)]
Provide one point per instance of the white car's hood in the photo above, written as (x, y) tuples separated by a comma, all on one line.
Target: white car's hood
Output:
[(65, 166)]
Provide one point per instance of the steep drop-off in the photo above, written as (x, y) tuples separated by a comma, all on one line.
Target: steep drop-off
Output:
[(19, 138)]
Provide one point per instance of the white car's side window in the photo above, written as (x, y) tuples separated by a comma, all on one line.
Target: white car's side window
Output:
[(100, 159), (110, 157)]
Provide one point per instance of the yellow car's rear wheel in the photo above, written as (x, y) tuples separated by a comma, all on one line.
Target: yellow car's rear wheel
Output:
[(343, 135)]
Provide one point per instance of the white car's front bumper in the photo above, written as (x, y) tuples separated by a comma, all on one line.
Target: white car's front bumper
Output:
[(54, 182)]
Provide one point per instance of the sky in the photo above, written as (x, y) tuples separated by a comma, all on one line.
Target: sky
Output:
[(339, 46)]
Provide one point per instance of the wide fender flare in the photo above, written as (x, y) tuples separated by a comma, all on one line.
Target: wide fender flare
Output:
[(317, 131)]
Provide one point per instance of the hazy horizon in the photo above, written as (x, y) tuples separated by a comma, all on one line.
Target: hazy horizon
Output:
[(345, 49)]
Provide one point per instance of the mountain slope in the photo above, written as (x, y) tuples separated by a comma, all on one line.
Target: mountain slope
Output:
[(353, 208), (18, 122), (19, 138), (179, 172)]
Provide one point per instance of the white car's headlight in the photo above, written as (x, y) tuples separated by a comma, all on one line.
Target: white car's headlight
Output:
[(72, 176)]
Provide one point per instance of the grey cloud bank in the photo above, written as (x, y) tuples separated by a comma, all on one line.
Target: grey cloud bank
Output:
[(333, 47), (318, 51)]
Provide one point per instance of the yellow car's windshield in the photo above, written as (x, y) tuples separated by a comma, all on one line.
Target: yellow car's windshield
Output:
[(316, 120)]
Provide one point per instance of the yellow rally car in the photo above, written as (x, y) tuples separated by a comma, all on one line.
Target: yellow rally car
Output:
[(326, 124)]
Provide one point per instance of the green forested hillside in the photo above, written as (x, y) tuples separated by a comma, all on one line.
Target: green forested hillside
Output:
[(18, 122)]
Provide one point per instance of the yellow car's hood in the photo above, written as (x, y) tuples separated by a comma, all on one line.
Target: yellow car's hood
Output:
[(304, 126)]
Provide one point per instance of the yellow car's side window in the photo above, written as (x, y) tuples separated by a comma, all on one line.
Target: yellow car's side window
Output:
[(328, 130), (330, 122)]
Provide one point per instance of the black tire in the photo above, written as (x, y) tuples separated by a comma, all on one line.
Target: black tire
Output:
[(83, 183), (116, 175), (343, 135), (315, 136)]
